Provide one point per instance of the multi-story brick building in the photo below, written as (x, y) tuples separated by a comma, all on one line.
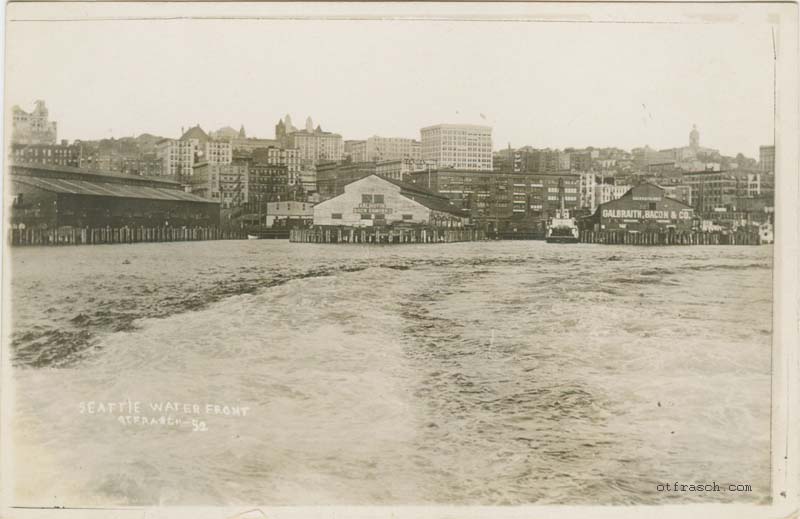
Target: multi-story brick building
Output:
[(459, 146), (399, 169), (333, 176), (290, 158), (56, 154), (679, 192), (711, 189), (227, 184), (496, 196)]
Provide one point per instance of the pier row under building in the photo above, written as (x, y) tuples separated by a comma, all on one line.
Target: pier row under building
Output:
[(51, 197), (644, 208), (376, 201)]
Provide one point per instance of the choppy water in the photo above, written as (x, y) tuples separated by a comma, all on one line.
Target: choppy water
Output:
[(470, 373)]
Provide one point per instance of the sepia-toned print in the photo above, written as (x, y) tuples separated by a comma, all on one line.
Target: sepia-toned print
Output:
[(395, 258)]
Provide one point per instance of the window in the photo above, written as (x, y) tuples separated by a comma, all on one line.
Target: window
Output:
[(408, 217), (366, 199), (378, 199), (380, 217), (651, 206), (366, 216), (336, 216)]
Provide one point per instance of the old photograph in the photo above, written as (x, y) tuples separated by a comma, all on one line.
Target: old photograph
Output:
[(380, 255)]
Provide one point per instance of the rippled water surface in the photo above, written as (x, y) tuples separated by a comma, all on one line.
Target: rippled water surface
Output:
[(467, 373)]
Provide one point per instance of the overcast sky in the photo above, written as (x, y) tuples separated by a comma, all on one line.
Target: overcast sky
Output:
[(540, 84)]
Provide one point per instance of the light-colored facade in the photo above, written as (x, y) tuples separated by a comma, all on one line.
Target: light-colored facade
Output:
[(315, 146), (376, 201), (604, 193), (282, 157), (179, 156), (218, 152), (400, 168), (289, 212), (766, 159), (679, 192), (377, 149), (224, 183), (34, 127), (460, 146), (753, 184)]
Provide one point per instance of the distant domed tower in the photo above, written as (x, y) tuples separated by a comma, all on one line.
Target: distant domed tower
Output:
[(309, 124), (242, 135), (694, 138)]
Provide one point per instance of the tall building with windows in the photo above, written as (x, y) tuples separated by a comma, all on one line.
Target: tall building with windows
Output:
[(711, 190), (459, 146), (378, 149), (313, 144), (34, 127), (179, 156), (55, 154), (766, 159)]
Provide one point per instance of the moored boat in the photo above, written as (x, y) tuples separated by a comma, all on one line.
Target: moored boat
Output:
[(562, 228)]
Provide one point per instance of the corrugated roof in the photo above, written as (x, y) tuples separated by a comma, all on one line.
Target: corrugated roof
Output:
[(435, 203), (91, 173), (427, 197), (87, 188)]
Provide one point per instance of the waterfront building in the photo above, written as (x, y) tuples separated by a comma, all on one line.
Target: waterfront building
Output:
[(586, 190), (178, 156), (268, 182), (55, 154), (399, 169), (331, 177), (766, 159), (146, 165), (373, 200), (643, 208), (33, 127), (227, 184), (604, 193), (459, 146), (289, 213), (288, 158), (490, 196), (711, 190), (679, 192), (49, 197)]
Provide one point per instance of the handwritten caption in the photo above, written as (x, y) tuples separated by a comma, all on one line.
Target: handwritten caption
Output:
[(162, 413)]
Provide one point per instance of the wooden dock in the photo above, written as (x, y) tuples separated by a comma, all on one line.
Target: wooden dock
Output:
[(110, 235), (670, 238), (421, 234)]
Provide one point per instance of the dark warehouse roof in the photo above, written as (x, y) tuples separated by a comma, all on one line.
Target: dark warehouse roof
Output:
[(91, 188)]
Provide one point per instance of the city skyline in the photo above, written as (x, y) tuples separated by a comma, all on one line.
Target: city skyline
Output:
[(609, 92)]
